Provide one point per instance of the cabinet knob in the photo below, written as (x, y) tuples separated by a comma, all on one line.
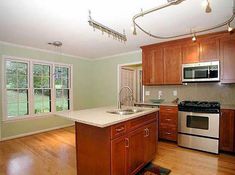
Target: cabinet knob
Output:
[(127, 142)]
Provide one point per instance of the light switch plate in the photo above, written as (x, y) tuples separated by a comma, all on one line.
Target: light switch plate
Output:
[(175, 93), (147, 93)]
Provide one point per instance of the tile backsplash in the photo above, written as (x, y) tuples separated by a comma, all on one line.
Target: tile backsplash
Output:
[(224, 93)]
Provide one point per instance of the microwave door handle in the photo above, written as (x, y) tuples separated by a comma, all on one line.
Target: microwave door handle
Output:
[(193, 72), (208, 72)]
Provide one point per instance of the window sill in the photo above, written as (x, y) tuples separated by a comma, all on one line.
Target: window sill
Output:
[(32, 117)]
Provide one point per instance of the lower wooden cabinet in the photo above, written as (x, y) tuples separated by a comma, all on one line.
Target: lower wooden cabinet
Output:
[(227, 130), (168, 122), (121, 149)]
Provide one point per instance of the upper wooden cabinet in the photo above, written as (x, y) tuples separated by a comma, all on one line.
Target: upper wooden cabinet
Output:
[(153, 66), (172, 65), (227, 130), (227, 51), (190, 52), (209, 49), (162, 63)]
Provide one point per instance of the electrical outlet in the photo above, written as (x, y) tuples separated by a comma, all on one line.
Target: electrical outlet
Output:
[(159, 94), (147, 93), (175, 93)]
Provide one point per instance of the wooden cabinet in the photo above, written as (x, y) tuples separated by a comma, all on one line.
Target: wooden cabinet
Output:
[(121, 149), (227, 130), (190, 52), (150, 142), (227, 50), (118, 156), (162, 65), (209, 49), (168, 121), (153, 65), (162, 62), (136, 150), (172, 64)]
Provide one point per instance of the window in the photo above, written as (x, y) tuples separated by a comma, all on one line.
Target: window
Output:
[(62, 88), (17, 88), (35, 88), (42, 88)]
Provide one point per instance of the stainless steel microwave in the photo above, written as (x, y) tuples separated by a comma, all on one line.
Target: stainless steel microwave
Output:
[(201, 72)]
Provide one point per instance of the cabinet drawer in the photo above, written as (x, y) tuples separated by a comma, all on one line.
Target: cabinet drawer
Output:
[(169, 109), (168, 118), (168, 132), (136, 123), (118, 130)]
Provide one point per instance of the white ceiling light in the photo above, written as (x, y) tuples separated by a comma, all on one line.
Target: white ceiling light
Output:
[(174, 3), (194, 39), (230, 29)]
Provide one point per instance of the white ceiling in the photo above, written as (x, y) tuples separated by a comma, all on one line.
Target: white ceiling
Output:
[(34, 23)]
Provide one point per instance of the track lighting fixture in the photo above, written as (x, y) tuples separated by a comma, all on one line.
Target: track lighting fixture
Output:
[(194, 39), (134, 30), (230, 29), (206, 6)]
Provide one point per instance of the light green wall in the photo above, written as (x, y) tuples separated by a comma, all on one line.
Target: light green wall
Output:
[(94, 84), (81, 88), (105, 77)]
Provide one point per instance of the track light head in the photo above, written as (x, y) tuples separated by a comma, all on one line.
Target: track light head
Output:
[(230, 29), (134, 30), (194, 38)]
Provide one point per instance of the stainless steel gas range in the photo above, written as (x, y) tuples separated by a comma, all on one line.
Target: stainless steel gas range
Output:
[(198, 125)]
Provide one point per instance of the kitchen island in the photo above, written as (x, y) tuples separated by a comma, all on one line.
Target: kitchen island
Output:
[(112, 144)]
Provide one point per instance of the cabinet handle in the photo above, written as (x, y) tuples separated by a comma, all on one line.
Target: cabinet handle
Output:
[(168, 119), (168, 133), (147, 132), (127, 142), (119, 129)]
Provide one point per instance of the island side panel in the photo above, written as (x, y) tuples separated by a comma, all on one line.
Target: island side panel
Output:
[(93, 150)]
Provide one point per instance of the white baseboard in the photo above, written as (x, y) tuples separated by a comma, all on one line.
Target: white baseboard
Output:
[(35, 132)]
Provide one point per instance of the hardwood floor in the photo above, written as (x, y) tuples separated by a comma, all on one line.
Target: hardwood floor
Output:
[(53, 153)]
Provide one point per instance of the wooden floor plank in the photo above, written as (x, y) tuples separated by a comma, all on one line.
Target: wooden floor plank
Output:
[(53, 153)]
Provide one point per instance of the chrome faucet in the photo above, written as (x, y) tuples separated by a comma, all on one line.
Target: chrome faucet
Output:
[(119, 95)]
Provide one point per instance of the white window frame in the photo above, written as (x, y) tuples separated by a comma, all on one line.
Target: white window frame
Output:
[(31, 62)]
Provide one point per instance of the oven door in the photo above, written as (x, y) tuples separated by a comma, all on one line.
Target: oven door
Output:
[(200, 124)]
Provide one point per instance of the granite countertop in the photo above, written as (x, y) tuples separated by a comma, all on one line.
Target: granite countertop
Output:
[(228, 106), (156, 104), (100, 118)]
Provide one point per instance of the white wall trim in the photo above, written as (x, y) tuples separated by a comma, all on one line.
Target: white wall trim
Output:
[(35, 132), (44, 50), (118, 74), (116, 55)]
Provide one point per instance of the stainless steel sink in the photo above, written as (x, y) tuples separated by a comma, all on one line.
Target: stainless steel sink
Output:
[(125, 111)]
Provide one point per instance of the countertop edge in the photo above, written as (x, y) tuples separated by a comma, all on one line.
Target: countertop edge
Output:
[(151, 110)]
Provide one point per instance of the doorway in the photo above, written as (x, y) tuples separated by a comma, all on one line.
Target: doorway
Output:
[(130, 75)]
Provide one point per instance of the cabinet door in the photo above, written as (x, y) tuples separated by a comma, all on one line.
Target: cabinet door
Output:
[(150, 141), (172, 65), (227, 130), (227, 49), (118, 156), (136, 151), (146, 66), (153, 66), (209, 49), (190, 52)]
